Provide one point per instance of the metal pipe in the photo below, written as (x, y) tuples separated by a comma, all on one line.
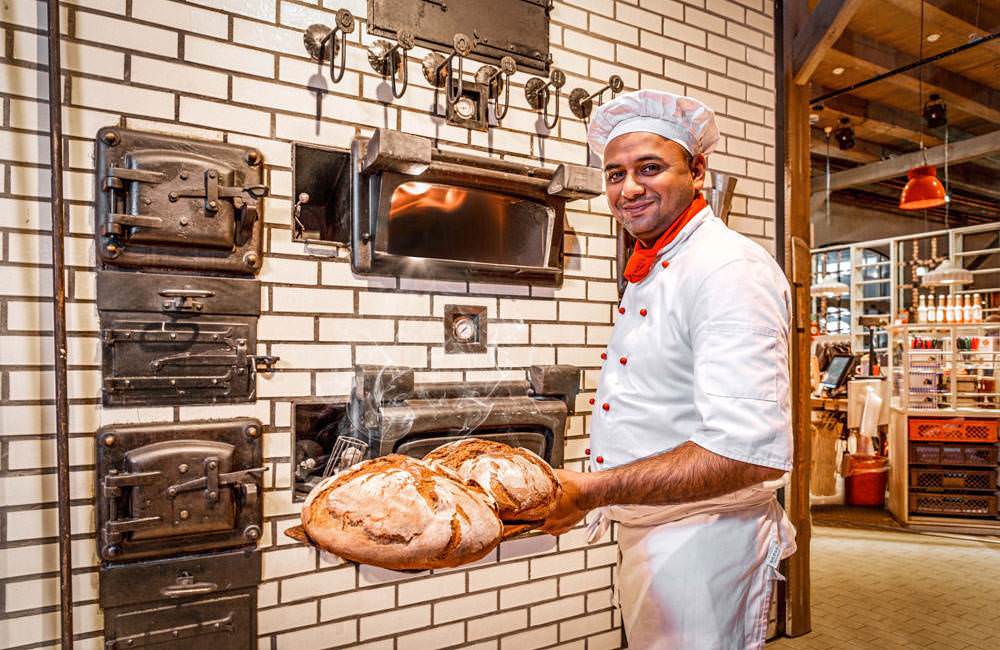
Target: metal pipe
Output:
[(906, 68), (59, 332)]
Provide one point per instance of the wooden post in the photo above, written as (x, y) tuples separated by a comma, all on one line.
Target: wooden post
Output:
[(797, 244)]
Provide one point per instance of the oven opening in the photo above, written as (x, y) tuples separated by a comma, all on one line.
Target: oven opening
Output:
[(438, 221)]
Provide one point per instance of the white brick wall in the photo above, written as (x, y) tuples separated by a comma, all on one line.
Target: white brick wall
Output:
[(231, 70)]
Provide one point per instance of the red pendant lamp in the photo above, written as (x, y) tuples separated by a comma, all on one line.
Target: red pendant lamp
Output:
[(923, 190)]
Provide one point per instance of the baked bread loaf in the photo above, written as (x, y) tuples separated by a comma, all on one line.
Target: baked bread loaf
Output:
[(522, 484), (397, 512)]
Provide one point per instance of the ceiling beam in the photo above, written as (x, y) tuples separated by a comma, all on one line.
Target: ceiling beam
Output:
[(822, 29), (954, 17), (874, 58), (957, 152)]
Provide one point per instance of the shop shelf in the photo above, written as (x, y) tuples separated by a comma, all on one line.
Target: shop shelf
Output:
[(931, 453), (963, 505), (952, 430), (938, 479)]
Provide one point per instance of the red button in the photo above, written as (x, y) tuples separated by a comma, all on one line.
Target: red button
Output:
[(586, 451), (623, 361), (643, 312), (600, 459), (606, 406), (664, 263), (621, 310), (591, 400), (604, 355)]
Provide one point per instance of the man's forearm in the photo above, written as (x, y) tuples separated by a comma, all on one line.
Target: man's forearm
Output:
[(681, 475)]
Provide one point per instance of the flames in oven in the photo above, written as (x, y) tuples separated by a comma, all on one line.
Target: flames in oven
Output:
[(439, 221)]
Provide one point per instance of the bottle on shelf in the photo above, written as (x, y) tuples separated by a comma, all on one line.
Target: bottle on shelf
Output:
[(977, 309), (967, 309), (939, 315), (922, 309), (949, 308), (931, 312)]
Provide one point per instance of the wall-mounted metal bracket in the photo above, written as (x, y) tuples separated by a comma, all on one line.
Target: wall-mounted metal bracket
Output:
[(496, 81), (438, 69), (390, 60), (321, 42), (581, 103), (538, 92)]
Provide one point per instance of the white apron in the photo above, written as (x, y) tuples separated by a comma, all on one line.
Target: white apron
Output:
[(699, 353)]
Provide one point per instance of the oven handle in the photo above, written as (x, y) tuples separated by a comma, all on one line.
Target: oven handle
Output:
[(183, 589)]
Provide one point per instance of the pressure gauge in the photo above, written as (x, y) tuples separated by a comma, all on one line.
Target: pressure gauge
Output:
[(465, 108), (464, 329)]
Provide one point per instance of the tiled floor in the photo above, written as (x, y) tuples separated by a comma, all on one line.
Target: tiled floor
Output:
[(883, 589)]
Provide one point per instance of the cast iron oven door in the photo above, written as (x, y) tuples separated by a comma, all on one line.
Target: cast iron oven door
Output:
[(422, 212), (390, 414), (202, 601), (167, 202), (178, 339), (187, 487)]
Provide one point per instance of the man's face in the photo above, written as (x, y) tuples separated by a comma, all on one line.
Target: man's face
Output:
[(649, 181)]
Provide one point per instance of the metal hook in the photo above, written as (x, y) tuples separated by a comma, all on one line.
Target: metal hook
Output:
[(496, 80), (317, 37), (581, 103), (387, 60), (537, 92), (439, 70)]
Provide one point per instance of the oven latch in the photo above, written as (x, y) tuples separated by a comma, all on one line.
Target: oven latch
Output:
[(213, 480)]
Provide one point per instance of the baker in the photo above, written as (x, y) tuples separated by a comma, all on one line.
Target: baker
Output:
[(691, 427)]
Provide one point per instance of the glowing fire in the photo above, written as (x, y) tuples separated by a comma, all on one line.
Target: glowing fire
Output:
[(414, 196)]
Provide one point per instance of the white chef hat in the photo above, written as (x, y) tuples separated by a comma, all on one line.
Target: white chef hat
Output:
[(684, 120)]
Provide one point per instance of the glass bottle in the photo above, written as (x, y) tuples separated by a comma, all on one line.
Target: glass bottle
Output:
[(967, 309), (949, 308), (939, 316), (922, 309), (977, 309)]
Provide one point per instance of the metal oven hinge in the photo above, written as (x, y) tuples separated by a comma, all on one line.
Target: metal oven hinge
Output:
[(213, 480), (111, 488), (155, 637)]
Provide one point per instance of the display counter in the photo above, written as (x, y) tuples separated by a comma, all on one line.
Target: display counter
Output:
[(943, 427)]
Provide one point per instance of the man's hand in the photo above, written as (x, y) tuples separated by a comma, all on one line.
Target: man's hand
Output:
[(573, 504)]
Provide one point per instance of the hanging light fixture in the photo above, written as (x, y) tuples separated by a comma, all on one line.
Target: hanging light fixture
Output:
[(947, 274), (829, 287), (923, 189)]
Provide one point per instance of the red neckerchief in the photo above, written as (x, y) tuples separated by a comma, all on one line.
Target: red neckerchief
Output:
[(643, 257)]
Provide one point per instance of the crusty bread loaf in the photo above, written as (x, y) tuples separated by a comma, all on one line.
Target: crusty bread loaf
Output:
[(397, 512), (522, 484)]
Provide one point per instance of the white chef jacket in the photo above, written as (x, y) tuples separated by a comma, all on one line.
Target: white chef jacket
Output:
[(699, 353)]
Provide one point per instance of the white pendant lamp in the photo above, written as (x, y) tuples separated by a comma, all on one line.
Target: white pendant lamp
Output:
[(829, 287), (947, 274)]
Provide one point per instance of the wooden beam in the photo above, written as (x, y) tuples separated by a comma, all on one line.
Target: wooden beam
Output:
[(793, 102), (874, 58), (957, 152), (825, 25), (953, 17)]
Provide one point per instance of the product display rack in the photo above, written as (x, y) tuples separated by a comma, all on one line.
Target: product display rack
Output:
[(943, 428)]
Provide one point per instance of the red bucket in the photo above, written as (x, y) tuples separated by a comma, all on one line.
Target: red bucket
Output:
[(865, 480)]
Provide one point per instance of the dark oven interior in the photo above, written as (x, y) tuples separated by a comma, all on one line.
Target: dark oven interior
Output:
[(387, 413)]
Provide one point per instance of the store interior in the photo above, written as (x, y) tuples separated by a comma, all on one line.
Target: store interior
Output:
[(905, 312)]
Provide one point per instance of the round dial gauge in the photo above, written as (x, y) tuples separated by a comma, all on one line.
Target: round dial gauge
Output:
[(465, 108), (464, 329)]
